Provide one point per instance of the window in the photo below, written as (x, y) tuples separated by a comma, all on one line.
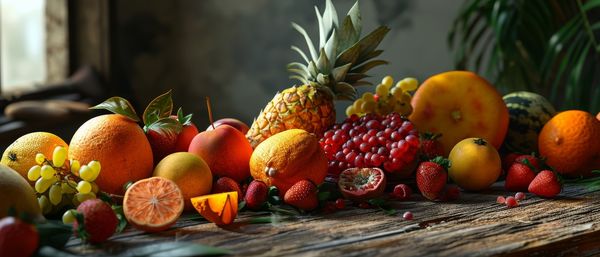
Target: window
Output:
[(22, 45)]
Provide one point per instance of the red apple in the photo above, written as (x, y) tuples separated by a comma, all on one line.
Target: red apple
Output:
[(225, 150), (162, 144), (237, 124)]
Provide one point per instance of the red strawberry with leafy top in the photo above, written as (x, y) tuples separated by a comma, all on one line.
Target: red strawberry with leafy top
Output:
[(17, 238), (99, 221), (518, 177), (225, 184), (545, 184), (256, 194), (302, 195), (508, 160), (430, 146), (432, 177)]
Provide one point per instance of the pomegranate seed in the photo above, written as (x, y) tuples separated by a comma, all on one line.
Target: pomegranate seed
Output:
[(372, 132), (359, 161), (511, 202), (501, 199), (402, 192), (520, 196), (364, 147), (328, 134), (340, 204), (395, 153), (412, 140), (350, 157), (407, 215), (395, 136), (346, 127)]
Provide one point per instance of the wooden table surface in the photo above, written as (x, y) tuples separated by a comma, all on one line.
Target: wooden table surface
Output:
[(472, 226)]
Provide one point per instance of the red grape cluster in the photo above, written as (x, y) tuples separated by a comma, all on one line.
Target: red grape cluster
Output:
[(388, 142)]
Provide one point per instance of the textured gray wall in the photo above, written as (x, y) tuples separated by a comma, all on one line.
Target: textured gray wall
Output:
[(235, 51)]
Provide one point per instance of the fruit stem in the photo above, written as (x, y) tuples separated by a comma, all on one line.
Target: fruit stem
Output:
[(480, 141), (210, 117)]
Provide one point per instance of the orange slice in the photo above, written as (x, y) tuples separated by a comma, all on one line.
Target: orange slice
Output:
[(220, 209), (153, 204)]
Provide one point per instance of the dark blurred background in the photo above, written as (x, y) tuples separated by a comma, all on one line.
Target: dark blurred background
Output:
[(83, 51)]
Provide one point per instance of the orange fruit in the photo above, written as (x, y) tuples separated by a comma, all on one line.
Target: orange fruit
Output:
[(474, 164), (20, 155), (459, 105), (191, 174), (570, 141), (153, 204), (288, 157), (220, 209), (119, 144)]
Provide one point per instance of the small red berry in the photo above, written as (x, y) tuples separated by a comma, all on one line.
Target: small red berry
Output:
[(407, 215), (401, 192), (340, 204), (511, 202), (520, 196), (501, 199)]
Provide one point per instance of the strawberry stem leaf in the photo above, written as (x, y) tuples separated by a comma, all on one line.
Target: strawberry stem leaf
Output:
[(161, 106), (442, 162), (118, 105)]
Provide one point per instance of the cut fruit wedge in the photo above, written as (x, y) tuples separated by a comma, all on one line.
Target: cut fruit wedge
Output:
[(220, 209), (153, 204)]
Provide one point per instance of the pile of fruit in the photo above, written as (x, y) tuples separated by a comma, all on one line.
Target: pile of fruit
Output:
[(453, 132)]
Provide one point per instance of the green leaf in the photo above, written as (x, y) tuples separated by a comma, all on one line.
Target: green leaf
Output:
[(295, 48), (331, 48), (54, 233), (161, 106), (590, 4), (349, 55), (323, 196), (323, 62), (354, 14), (165, 126), (167, 249), (282, 209), (118, 105), (339, 73), (184, 119), (322, 31), (368, 66), (330, 18), (370, 42), (347, 35), (118, 209), (309, 43)]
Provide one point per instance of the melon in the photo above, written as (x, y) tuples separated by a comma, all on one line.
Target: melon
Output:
[(528, 112)]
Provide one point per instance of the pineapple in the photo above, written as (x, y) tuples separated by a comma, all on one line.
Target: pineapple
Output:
[(331, 73)]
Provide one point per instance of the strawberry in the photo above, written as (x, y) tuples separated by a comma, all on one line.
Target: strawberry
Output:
[(518, 177), (430, 146), (302, 195), (432, 177), (256, 194), (99, 221), (225, 184), (17, 238), (534, 161), (545, 184), (450, 193)]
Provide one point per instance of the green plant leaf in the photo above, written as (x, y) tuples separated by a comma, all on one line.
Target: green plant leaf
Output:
[(161, 107), (165, 126), (54, 233), (184, 119), (118, 209), (309, 43), (167, 249), (118, 105)]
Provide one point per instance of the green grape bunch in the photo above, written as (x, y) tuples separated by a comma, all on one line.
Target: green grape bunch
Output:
[(387, 99), (61, 183)]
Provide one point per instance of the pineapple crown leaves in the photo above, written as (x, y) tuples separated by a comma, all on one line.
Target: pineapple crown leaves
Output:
[(340, 62), (156, 116)]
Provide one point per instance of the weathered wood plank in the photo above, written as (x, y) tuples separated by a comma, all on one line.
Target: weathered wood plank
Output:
[(473, 226)]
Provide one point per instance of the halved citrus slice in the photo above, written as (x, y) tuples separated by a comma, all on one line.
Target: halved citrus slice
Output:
[(220, 209), (153, 204)]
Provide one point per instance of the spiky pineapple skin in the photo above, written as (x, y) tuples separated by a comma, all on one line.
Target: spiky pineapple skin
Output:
[(298, 107)]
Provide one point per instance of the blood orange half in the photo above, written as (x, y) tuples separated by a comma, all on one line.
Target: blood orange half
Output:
[(153, 204), (220, 209)]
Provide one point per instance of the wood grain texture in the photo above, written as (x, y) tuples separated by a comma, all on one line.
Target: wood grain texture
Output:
[(473, 226)]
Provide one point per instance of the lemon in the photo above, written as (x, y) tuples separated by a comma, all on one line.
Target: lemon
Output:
[(16, 193)]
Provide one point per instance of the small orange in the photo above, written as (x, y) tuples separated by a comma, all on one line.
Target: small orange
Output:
[(220, 208), (288, 157), (191, 174), (570, 141), (153, 204), (20, 155), (474, 164), (119, 144)]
